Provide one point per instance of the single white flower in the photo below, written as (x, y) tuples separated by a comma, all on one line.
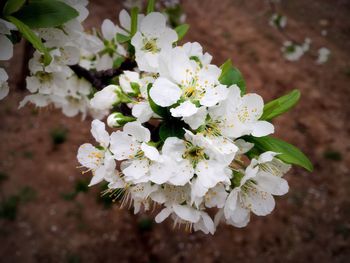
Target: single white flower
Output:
[(152, 37), (97, 159), (323, 55), (131, 146), (238, 116), (262, 179), (183, 79)]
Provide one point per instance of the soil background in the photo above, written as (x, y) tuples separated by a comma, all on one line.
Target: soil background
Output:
[(48, 214)]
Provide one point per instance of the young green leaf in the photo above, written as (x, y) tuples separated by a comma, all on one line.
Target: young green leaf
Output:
[(32, 38), (288, 153), (231, 75), (12, 6), (161, 111), (150, 6), (122, 38), (171, 128), (45, 13), (134, 15), (278, 106), (181, 30)]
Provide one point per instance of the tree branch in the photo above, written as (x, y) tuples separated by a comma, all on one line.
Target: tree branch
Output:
[(100, 79)]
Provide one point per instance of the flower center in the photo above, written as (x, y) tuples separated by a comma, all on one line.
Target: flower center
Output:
[(150, 45), (194, 153)]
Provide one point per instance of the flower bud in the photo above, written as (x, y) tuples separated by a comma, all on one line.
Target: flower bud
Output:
[(106, 98), (117, 119)]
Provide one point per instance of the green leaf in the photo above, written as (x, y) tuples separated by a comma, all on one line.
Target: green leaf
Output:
[(288, 153), (134, 15), (45, 13), (118, 62), (150, 6), (171, 128), (231, 75), (122, 38), (161, 111), (281, 105), (181, 30), (32, 38), (12, 6)]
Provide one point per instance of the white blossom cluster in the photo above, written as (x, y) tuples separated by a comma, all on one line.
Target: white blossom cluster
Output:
[(293, 51), (204, 164), (57, 83)]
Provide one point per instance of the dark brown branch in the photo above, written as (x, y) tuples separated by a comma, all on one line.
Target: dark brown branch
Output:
[(100, 79)]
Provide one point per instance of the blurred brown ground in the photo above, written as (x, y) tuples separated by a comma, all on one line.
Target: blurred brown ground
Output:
[(310, 224)]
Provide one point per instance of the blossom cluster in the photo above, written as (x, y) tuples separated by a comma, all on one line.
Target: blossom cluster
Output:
[(180, 141)]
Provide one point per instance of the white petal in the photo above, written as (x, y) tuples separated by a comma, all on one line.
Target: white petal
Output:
[(272, 184), (187, 213), (240, 217), (98, 130), (196, 119), (153, 25), (125, 20), (136, 170), (142, 111), (213, 95), (266, 157), (123, 146), (174, 147), (251, 108), (261, 203), (168, 37), (105, 98), (89, 156), (262, 128), (164, 92), (210, 173), (108, 29), (98, 176), (6, 51), (163, 215), (150, 152), (185, 109), (136, 130)]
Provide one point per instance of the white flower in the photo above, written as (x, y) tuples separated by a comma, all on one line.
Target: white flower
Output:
[(293, 51), (131, 145), (175, 200), (261, 180), (323, 55), (152, 37), (183, 78), (105, 98), (278, 21), (4, 88), (238, 116), (191, 217), (98, 159)]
